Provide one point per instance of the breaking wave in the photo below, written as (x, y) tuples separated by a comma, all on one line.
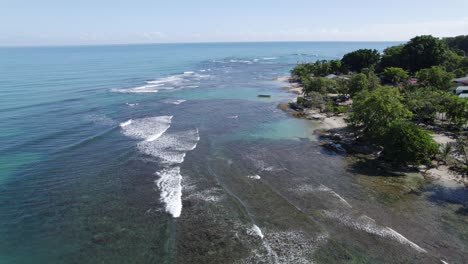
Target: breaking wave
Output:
[(149, 129), (170, 185), (126, 123), (254, 177), (255, 231), (368, 225), (188, 79), (171, 148)]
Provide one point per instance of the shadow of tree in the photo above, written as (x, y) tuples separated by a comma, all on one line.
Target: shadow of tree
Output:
[(375, 167), (463, 210), (459, 195)]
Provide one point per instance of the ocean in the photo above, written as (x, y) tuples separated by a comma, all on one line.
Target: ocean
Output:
[(164, 154)]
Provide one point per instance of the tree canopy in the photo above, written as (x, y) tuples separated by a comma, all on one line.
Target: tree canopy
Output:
[(375, 110), (318, 84), (395, 75), (360, 59), (456, 109), (458, 43), (423, 52), (358, 83), (404, 142), (392, 57), (319, 68), (424, 103), (436, 77)]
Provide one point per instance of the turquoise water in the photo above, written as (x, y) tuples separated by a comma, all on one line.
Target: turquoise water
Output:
[(140, 154)]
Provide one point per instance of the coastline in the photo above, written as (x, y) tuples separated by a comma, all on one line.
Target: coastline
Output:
[(327, 122), (332, 131)]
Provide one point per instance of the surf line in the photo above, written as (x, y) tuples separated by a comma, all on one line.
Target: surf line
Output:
[(169, 148)]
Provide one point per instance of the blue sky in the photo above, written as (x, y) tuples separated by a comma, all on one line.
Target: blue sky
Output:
[(88, 22)]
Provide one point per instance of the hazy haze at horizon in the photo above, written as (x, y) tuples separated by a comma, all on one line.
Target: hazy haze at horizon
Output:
[(52, 22)]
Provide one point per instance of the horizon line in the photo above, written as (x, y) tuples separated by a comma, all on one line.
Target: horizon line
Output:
[(189, 42)]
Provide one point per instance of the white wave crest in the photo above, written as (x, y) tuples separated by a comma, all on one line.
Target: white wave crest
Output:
[(368, 225), (255, 231), (126, 123), (241, 61), (173, 101), (135, 90), (170, 185), (149, 128), (254, 177), (188, 79), (178, 102), (171, 148)]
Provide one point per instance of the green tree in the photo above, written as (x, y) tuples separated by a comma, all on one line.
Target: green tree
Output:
[(360, 59), (404, 142), (458, 43), (456, 109), (302, 71), (319, 68), (395, 75), (373, 81), (335, 66), (424, 52), (461, 147), (318, 84), (374, 111), (392, 57), (424, 103), (445, 150), (342, 86), (436, 76), (358, 83), (453, 61)]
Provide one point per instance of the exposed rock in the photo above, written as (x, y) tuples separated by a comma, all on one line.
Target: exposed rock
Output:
[(317, 116)]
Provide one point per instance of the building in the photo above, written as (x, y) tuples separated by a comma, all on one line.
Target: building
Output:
[(461, 91), (412, 81), (461, 81)]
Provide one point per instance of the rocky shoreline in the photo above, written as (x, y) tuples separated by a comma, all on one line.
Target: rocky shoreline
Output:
[(335, 136)]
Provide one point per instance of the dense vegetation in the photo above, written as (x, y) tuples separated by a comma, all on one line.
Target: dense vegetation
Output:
[(459, 44), (388, 107), (405, 142)]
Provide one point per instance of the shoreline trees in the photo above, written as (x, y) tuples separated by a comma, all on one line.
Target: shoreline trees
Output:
[(380, 112)]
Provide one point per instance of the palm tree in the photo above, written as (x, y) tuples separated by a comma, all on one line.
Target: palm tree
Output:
[(445, 150)]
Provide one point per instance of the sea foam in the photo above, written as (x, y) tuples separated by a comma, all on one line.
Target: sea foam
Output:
[(149, 129), (171, 148), (254, 177), (126, 123), (188, 79), (255, 231), (178, 102), (170, 185), (368, 225)]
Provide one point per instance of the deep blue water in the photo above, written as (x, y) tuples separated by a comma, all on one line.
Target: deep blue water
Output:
[(140, 154)]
